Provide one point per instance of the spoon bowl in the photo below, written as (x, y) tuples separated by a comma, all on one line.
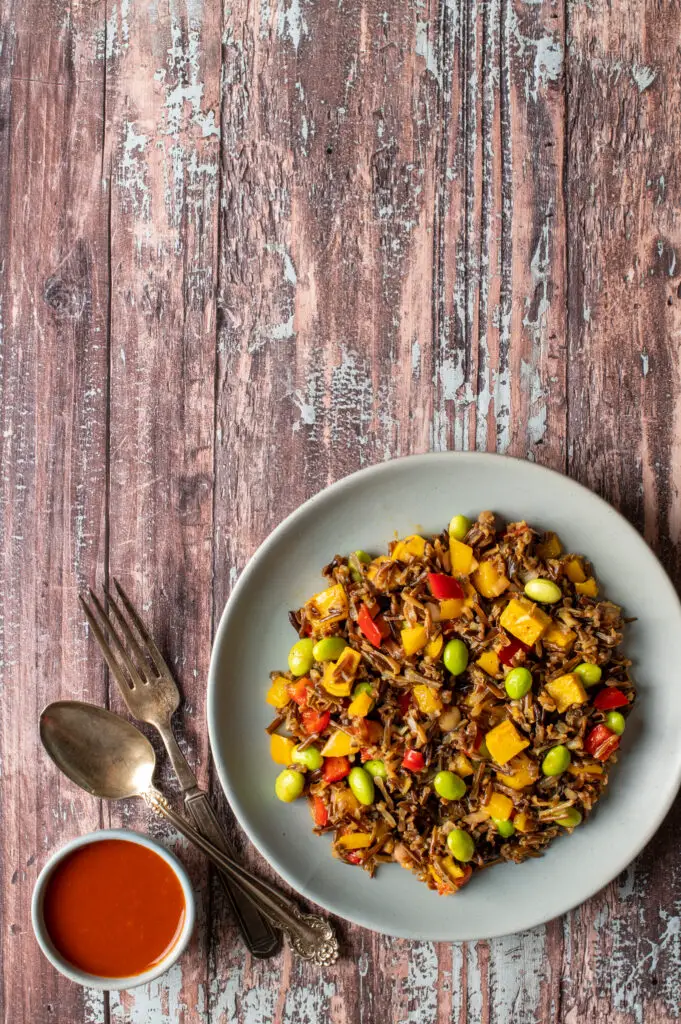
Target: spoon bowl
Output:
[(99, 751)]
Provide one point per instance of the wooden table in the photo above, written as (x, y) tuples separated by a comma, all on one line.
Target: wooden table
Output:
[(245, 250)]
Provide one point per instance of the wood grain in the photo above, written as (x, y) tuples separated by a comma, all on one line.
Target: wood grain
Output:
[(248, 248)]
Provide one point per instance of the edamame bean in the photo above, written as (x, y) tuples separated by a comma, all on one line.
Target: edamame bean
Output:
[(300, 657), (518, 682), (460, 845), (544, 591), (328, 649), (589, 673), (363, 687), (363, 557), (376, 769), (616, 721), (570, 819), (455, 657), (504, 828), (556, 760), (459, 527), (289, 785), (362, 785), (310, 757), (449, 786)]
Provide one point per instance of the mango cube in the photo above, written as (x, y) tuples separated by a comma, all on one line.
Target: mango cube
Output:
[(499, 806), (462, 765), (589, 588), (520, 773), (489, 662), (339, 744), (550, 547), (361, 705), (410, 547), (326, 607), (376, 565), (428, 701), (278, 695), (525, 620), (281, 748), (463, 562), (414, 638), (488, 581), (523, 822), (434, 648), (339, 675), (454, 870), (566, 690), (559, 636), (575, 572), (504, 742), (451, 607)]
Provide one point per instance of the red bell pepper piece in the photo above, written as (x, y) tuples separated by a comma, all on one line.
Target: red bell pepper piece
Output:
[(320, 815), (404, 703), (298, 691), (443, 587), (354, 857), (601, 743), (335, 768), (371, 629), (413, 760), (315, 721), (460, 882), (508, 653), (610, 698)]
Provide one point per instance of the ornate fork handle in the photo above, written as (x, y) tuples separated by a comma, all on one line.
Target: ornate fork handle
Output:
[(311, 936)]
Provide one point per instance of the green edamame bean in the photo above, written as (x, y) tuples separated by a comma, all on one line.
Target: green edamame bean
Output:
[(616, 721), (570, 819), (455, 657), (589, 673), (362, 785), (310, 757), (300, 657), (328, 649), (376, 769), (363, 557), (449, 786), (460, 845), (518, 682), (544, 591), (459, 527), (556, 760), (505, 828), (289, 785)]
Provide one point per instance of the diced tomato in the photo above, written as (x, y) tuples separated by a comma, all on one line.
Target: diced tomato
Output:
[(413, 760), (298, 691), (610, 698), (315, 721), (335, 768), (367, 731), (372, 630), (443, 587), (404, 703), (508, 653), (601, 743), (320, 815), (354, 858)]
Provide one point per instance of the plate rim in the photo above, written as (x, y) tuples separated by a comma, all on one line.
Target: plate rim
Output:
[(249, 568)]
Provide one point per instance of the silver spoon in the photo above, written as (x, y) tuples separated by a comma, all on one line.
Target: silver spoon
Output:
[(108, 757)]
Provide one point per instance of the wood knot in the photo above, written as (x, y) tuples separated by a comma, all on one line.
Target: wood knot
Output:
[(68, 291)]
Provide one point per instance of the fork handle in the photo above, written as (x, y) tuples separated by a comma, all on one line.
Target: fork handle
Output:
[(260, 937)]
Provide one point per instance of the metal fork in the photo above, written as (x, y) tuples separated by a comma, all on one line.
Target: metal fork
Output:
[(151, 694)]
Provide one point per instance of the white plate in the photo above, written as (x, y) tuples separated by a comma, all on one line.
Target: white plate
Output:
[(366, 510)]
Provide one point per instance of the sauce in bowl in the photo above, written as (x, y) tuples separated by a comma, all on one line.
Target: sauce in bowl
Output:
[(114, 908)]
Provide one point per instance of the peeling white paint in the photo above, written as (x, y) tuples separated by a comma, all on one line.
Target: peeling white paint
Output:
[(643, 76), (131, 173), (548, 58), (291, 22), (290, 275), (425, 49), (415, 359), (644, 363)]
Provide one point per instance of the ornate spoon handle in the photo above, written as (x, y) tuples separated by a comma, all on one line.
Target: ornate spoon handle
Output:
[(311, 936)]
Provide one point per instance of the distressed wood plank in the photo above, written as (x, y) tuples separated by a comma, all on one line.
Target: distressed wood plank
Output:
[(162, 126), (53, 365), (624, 371)]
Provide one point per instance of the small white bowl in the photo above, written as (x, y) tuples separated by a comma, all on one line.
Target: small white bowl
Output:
[(93, 980)]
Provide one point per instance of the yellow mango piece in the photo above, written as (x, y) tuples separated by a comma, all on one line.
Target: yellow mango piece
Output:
[(566, 690), (354, 840), (414, 638), (504, 742), (489, 662), (408, 548), (278, 695), (375, 566), (339, 675), (454, 870), (339, 744), (499, 806), (525, 620), (488, 582), (523, 822), (550, 547), (361, 706), (589, 588), (518, 773), (451, 607), (462, 765), (463, 562), (575, 572), (585, 769), (428, 701), (281, 748), (434, 648), (559, 636), (330, 605)]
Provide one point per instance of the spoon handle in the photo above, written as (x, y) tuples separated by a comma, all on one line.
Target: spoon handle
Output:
[(311, 936)]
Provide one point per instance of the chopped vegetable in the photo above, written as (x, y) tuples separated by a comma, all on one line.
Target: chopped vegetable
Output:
[(463, 561), (314, 721), (339, 675), (289, 784), (298, 691), (327, 607), (459, 527), (329, 648), (300, 657), (558, 635), (339, 744), (525, 620), (616, 721), (489, 662), (588, 589), (278, 695), (504, 742), (523, 822), (281, 749), (570, 818), (574, 570), (354, 840), (320, 814), (488, 581), (377, 769), (610, 698), (505, 828), (372, 630), (426, 698), (519, 773), (362, 785), (309, 757), (463, 765), (413, 761), (410, 547), (414, 639), (499, 806), (361, 706), (601, 743), (444, 587), (335, 769), (588, 673), (565, 691), (550, 547), (461, 845), (434, 648), (452, 608), (507, 654)]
